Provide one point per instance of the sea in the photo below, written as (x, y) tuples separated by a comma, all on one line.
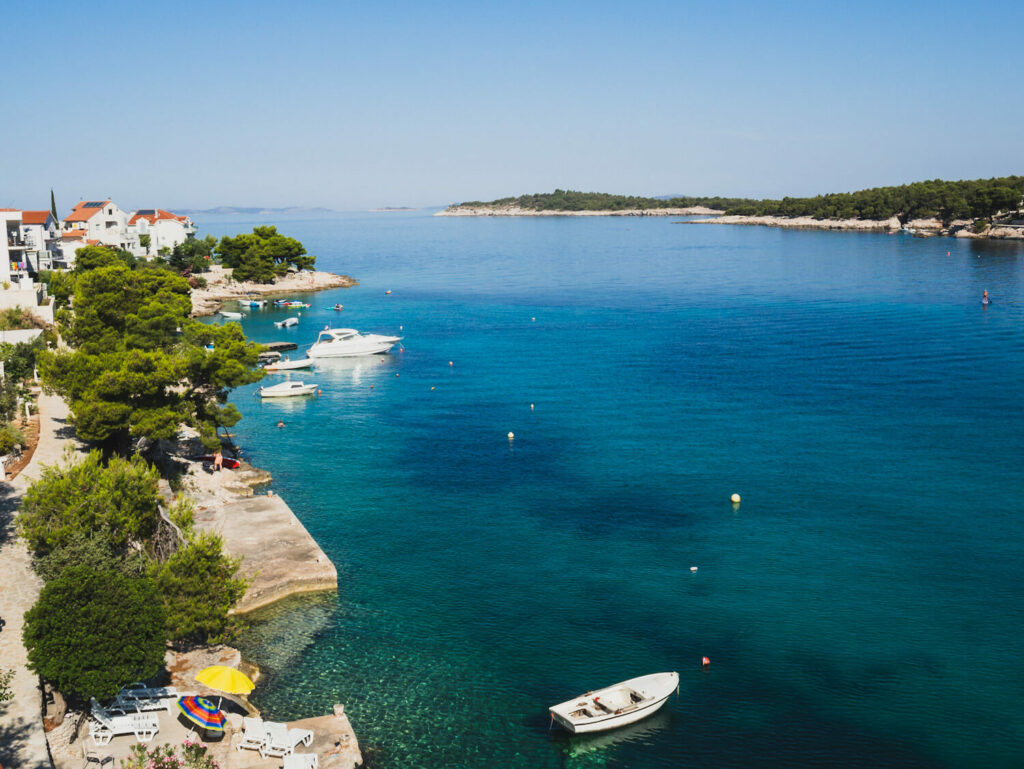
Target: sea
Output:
[(529, 497)]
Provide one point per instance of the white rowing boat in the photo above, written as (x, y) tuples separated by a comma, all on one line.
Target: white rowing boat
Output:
[(287, 389), (617, 705), (287, 322), (288, 365), (231, 315)]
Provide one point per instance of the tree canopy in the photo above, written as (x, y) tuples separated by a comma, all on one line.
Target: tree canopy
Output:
[(92, 631), (118, 500), (140, 366), (263, 255)]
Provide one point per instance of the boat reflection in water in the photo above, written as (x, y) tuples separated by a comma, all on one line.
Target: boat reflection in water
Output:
[(640, 733), (354, 372)]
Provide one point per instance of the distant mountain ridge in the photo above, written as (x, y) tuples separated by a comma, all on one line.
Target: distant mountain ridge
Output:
[(256, 210)]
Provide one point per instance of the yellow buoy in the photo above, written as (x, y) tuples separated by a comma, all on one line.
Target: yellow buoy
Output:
[(735, 499)]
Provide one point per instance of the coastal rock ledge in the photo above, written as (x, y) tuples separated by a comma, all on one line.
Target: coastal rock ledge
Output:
[(516, 211)]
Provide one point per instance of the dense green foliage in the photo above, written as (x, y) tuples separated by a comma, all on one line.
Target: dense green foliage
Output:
[(118, 500), (60, 284), (12, 318), (91, 631), (10, 437), (199, 587), (140, 366), (980, 198), (976, 199), (97, 549), (145, 241), (573, 200), (20, 359), (194, 255), (263, 255)]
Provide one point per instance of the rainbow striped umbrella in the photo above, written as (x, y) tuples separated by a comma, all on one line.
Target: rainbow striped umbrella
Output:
[(201, 712)]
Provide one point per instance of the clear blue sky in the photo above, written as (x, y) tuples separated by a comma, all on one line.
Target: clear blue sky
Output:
[(354, 105)]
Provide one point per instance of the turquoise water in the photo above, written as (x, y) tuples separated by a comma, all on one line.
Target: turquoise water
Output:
[(862, 606)]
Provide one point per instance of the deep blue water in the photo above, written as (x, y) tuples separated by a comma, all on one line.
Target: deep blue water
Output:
[(862, 607)]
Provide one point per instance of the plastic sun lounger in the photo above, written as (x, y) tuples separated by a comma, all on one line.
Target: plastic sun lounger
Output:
[(301, 761), (297, 736), (255, 735), (278, 742), (104, 725)]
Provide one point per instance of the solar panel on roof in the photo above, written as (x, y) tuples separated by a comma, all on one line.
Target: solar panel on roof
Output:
[(146, 212), (94, 204)]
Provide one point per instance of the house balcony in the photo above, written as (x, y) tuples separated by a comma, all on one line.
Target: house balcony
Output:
[(16, 241)]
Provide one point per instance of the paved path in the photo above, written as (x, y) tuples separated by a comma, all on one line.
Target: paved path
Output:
[(22, 742)]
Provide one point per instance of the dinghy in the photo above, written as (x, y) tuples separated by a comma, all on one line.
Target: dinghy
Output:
[(231, 315), (616, 705), (286, 322)]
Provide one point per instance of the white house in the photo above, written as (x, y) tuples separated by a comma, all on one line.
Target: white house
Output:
[(165, 230), (103, 221), (42, 239), (17, 289), (70, 242)]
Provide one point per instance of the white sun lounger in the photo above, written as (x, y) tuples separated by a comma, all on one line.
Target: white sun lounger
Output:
[(136, 698), (301, 761), (104, 725), (297, 736), (255, 735), (278, 742)]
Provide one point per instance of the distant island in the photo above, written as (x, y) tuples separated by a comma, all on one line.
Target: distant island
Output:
[(257, 211), (977, 208), (388, 209)]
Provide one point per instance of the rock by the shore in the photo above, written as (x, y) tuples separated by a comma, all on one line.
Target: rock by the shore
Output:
[(221, 288), (808, 223), (517, 211)]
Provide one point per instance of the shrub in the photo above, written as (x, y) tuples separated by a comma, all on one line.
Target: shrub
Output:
[(93, 631), (980, 226), (93, 549), (119, 499), (10, 437), (199, 587)]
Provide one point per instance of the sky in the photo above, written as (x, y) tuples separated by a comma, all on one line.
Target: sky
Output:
[(358, 105)]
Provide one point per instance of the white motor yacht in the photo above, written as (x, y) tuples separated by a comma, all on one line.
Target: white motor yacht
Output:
[(347, 342), (616, 705), (286, 389)]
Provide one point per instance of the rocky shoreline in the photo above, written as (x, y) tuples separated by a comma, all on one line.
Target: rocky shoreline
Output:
[(221, 288), (516, 211), (961, 228)]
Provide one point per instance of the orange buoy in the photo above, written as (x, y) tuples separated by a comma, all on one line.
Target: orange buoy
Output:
[(319, 392), (388, 291), (450, 363)]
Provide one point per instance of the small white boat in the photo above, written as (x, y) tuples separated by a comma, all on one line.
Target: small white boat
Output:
[(286, 322), (616, 705), (288, 365), (347, 342), (253, 303), (231, 315), (287, 389)]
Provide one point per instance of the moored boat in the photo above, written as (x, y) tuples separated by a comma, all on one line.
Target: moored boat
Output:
[(253, 303), (347, 342), (617, 705), (287, 389), (287, 322), (231, 315), (288, 365)]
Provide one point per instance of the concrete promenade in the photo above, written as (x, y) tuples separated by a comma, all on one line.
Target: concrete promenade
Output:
[(22, 742)]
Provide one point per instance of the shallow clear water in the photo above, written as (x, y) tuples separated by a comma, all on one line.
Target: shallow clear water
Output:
[(861, 608)]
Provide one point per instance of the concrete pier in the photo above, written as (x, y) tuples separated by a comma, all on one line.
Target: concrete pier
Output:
[(279, 556)]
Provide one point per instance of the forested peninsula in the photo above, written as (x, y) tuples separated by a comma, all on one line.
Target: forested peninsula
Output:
[(976, 208)]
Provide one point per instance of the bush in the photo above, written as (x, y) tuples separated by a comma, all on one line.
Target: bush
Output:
[(10, 437), (980, 226), (96, 550), (9, 393), (119, 499), (199, 588), (20, 359), (91, 632)]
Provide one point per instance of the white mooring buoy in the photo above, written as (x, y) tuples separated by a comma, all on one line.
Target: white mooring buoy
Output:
[(511, 435), (735, 499)]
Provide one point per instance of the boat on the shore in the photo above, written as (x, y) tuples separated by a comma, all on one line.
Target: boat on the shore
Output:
[(287, 390), (231, 315), (617, 705), (286, 322), (347, 342), (288, 365)]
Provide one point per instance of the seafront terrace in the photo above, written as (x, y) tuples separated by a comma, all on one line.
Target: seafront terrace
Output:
[(334, 742)]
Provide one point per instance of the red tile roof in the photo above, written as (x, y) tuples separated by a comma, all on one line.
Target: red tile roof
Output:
[(73, 234), (153, 215), (34, 217), (81, 213)]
